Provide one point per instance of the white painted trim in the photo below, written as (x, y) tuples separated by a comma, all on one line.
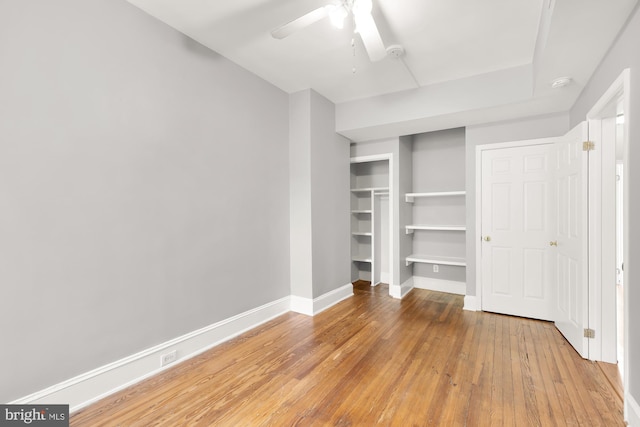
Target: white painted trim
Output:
[(302, 305), (394, 225), (514, 144), (440, 285), (311, 307), (619, 88), (478, 233), (332, 298), (470, 303), (478, 207), (401, 291), (631, 411), (619, 91), (371, 158), (99, 383), (594, 240)]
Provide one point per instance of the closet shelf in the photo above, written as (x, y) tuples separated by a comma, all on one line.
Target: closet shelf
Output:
[(432, 259), (409, 197), (375, 189), (410, 228), (361, 233), (361, 211), (360, 259)]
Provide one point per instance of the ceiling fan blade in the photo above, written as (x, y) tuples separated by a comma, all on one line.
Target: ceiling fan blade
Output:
[(370, 35), (305, 20)]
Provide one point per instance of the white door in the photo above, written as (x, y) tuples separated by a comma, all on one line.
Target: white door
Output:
[(518, 224), (572, 244)]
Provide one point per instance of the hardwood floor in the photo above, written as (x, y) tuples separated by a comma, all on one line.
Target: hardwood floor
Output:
[(374, 360)]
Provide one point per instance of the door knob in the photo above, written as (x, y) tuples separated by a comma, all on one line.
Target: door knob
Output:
[(553, 243), (487, 238)]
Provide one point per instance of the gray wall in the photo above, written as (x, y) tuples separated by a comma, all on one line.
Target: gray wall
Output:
[(513, 130), (439, 165), (330, 200), (320, 199), (370, 174), (143, 188), (624, 54), (301, 276)]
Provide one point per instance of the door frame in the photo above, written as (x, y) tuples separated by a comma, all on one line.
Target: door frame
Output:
[(478, 191), (392, 219), (599, 316), (619, 91)]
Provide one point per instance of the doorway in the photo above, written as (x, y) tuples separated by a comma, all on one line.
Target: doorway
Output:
[(371, 219), (533, 218), (608, 129), (601, 312), (518, 223)]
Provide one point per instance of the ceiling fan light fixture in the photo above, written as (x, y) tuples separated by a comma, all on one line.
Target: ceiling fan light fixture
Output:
[(337, 15), (561, 82)]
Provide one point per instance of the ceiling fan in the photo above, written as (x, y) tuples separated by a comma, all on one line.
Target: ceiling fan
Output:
[(337, 12)]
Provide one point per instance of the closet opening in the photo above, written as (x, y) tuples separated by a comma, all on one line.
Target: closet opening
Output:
[(370, 221)]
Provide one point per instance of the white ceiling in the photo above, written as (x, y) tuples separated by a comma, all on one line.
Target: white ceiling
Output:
[(446, 41)]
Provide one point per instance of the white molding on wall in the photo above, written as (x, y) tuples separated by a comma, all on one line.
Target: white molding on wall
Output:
[(440, 285), (401, 291), (371, 158), (97, 384), (470, 303), (631, 411), (311, 307), (302, 305)]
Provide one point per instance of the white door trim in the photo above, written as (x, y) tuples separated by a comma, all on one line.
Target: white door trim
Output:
[(478, 207), (601, 243), (620, 90)]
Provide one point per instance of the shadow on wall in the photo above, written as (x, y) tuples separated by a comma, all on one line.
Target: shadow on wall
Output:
[(198, 48)]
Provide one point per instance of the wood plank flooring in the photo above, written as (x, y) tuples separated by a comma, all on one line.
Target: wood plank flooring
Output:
[(373, 360)]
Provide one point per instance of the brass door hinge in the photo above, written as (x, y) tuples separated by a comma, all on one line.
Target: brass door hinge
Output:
[(588, 146), (589, 333)]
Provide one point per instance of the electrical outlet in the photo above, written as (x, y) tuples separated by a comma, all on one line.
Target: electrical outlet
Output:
[(167, 358), (436, 268)]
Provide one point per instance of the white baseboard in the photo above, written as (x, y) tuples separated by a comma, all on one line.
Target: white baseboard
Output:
[(97, 384), (632, 411), (440, 285), (470, 303), (311, 307), (399, 292), (302, 305)]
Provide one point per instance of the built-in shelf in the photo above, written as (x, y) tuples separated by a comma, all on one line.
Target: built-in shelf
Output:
[(410, 228), (360, 259), (361, 233), (431, 259), (375, 189), (409, 197), (362, 211)]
